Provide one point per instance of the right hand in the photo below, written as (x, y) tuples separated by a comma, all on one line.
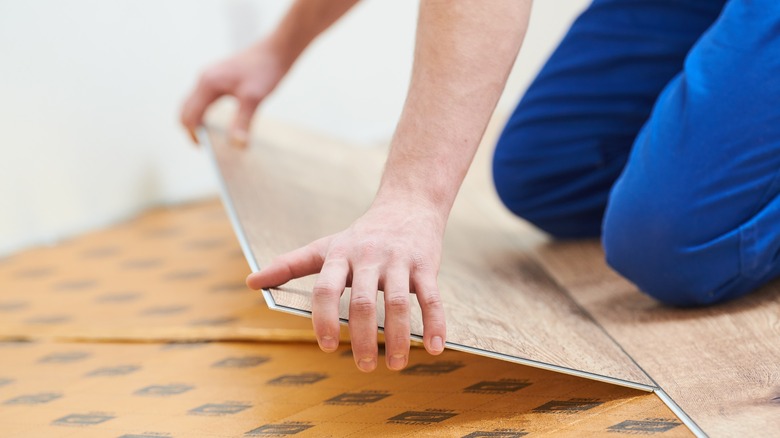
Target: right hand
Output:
[(394, 247), (249, 76)]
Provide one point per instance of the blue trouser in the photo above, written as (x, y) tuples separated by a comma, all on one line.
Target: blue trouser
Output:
[(656, 123)]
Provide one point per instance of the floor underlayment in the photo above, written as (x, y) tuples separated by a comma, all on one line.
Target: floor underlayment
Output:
[(169, 275), (511, 294), (87, 326)]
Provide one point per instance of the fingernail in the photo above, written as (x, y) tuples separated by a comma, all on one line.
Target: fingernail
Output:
[(437, 344), (329, 343), (397, 361), (239, 137), (367, 364), (193, 136)]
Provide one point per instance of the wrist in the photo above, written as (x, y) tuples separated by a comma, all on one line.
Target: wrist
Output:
[(404, 199), (283, 49)]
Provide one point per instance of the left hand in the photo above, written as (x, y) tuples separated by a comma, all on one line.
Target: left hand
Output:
[(249, 75)]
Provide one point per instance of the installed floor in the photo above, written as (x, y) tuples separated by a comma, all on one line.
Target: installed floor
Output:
[(511, 294), (721, 365), (87, 325)]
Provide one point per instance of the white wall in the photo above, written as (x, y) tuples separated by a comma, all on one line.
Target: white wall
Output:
[(90, 91)]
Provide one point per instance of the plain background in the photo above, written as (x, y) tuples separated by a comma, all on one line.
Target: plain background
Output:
[(90, 94)]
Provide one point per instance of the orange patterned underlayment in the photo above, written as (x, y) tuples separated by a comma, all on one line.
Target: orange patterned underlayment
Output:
[(170, 274), (136, 296)]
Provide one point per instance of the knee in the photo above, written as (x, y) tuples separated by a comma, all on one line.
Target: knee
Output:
[(656, 249), (548, 190), (520, 192)]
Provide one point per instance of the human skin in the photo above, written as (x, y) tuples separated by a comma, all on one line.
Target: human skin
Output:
[(463, 54), (252, 74)]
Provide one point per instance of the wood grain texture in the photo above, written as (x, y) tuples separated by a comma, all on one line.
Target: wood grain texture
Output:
[(721, 364), (289, 188)]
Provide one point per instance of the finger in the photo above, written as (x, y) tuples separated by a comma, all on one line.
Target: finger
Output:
[(193, 136), (362, 317), (434, 325), (326, 295), (247, 106), (396, 287), (205, 93), (301, 262)]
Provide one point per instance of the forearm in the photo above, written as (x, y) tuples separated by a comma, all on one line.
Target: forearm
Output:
[(303, 22), (463, 55)]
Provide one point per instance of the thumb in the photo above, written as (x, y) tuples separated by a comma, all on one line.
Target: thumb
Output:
[(301, 262)]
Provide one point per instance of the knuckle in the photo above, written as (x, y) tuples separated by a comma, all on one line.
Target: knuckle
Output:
[(432, 300), (392, 252), (325, 287), (397, 303), (326, 328), (362, 305), (420, 262), (250, 95), (397, 343), (363, 348), (367, 248), (337, 253)]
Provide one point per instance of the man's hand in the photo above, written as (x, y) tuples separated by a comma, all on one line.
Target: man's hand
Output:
[(254, 73), (463, 54), (394, 247), (249, 76)]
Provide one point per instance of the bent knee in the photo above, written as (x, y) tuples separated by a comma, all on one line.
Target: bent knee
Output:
[(523, 199), (563, 197), (658, 251)]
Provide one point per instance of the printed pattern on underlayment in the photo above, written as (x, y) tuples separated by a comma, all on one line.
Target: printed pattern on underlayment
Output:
[(228, 389), (171, 274), (282, 389)]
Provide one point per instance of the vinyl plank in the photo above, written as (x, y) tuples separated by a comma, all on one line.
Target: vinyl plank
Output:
[(290, 187), (720, 364)]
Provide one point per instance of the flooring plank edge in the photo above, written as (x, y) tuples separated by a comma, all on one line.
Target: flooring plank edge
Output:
[(677, 410), (229, 206), (227, 202)]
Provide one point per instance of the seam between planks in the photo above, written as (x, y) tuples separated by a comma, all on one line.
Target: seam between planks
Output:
[(677, 410), (596, 323), (668, 401), (271, 303), (229, 206), (490, 354)]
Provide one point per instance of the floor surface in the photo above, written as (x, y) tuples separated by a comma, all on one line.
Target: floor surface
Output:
[(511, 293), (87, 352)]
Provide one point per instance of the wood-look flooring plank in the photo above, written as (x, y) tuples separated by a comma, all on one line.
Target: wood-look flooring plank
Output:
[(289, 188), (720, 364)]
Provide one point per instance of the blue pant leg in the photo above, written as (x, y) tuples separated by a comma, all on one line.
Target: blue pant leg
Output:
[(695, 217), (570, 136)]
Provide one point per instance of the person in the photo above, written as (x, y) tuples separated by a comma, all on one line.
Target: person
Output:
[(654, 125)]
